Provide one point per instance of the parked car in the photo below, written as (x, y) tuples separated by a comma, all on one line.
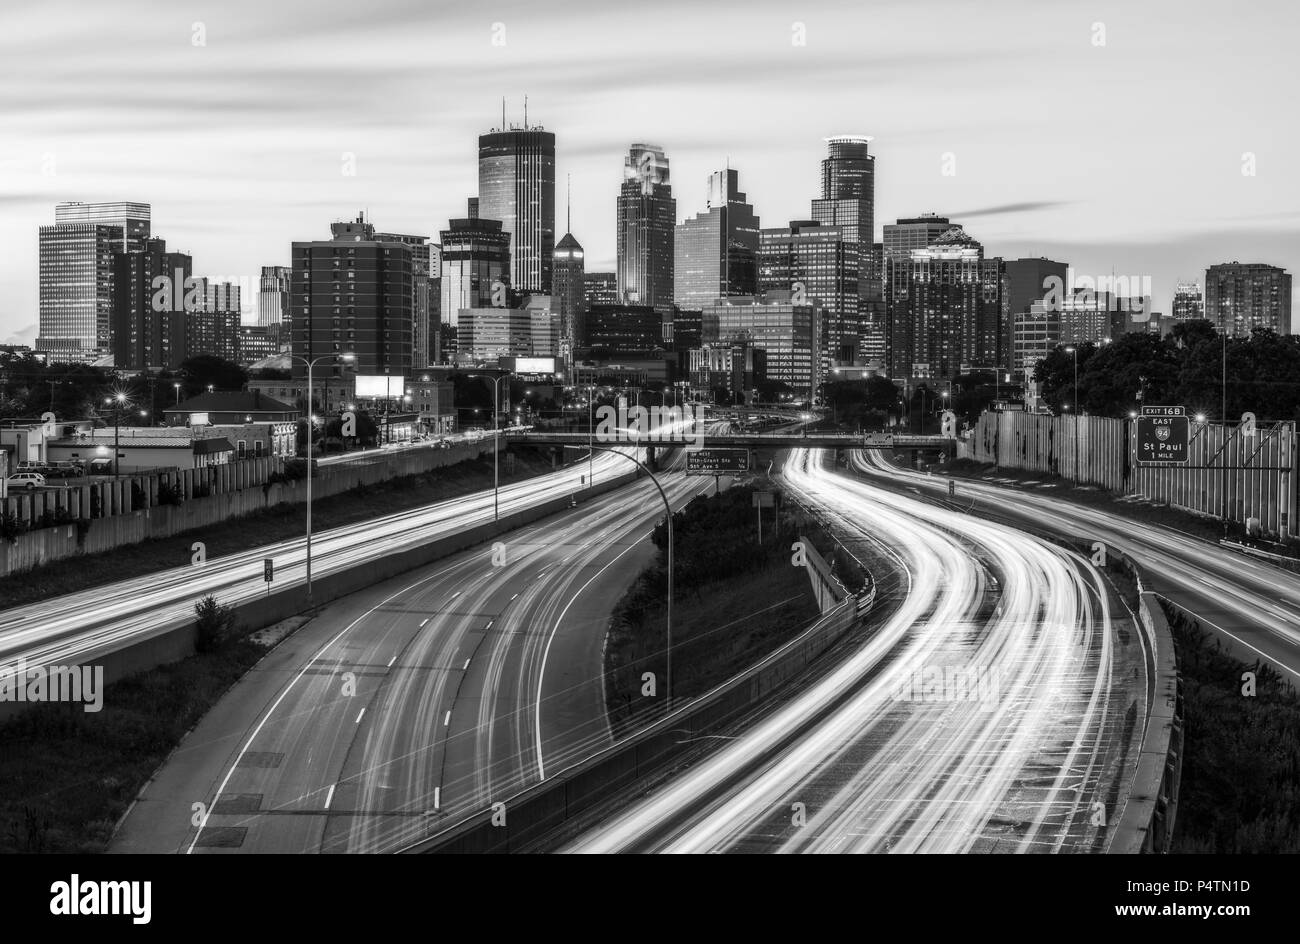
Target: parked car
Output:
[(101, 467), (28, 480)]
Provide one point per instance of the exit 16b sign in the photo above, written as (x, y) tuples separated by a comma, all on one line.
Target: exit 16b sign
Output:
[(1162, 435)]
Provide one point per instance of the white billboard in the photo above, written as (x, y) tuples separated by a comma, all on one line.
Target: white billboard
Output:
[(534, 365), (380, 386)]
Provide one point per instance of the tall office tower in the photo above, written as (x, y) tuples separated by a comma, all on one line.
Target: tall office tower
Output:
[(599, 288), (1188, 305), (715, 252), (273, 297), (785, 329), (516, 185), (848, 200), (1024, 282), (76, 273), (149, 290), (1242, 296), (485, 334), (352, 294), (567, 279), (475, 256), (818, 262), (647, 215), (945, 308), (422, 330)]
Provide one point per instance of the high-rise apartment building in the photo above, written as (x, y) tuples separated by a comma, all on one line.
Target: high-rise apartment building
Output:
[(1242, 296), (647, 216), (516, 185), (715, 252), (149, 290), (945, 308), (76, 273), (352, 294), (422, 306)]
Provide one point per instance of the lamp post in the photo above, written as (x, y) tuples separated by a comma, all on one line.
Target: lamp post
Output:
[(310, 365), (177, 388), (118, 400), (1075, 352), (668, 627), (496, 441)]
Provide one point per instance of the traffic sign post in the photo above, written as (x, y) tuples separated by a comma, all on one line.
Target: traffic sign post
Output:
[(268, 573), (717, 462), (763, 500), (1162, 435)]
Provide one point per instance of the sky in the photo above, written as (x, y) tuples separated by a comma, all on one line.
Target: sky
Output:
[(1113, 136)]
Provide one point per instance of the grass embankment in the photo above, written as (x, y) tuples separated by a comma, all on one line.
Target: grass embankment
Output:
[(67, 776), (734, 601), (281, 522), (1091, 496), (1240, 790)]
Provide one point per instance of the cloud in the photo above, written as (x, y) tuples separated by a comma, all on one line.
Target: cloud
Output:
[(1005, 208)]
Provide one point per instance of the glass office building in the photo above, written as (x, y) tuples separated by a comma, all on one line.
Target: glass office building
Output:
[(647, 216), (516, 185)]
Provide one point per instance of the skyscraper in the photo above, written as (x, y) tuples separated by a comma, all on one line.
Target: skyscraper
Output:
[(916, 232), (599, 288), (273, 297), (475, 256), (848, 200), (76, 273), (715, 252), (567, 276), (1242, 296), (818, 262), (352, 294), (945, 308), (516, 185), (647, 215)]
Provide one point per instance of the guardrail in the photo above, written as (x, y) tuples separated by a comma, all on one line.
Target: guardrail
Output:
[(1147, 823), (534, 813)]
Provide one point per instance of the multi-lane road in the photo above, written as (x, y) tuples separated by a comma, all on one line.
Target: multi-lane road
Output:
[(1252, 605), (439, 692), (987, 713), (79, 627)]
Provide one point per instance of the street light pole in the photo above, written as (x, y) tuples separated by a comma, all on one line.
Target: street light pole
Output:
[(1223, 419), (310, 389), (1074, 351)]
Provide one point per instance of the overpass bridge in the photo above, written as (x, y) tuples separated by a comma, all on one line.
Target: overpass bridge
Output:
[(784, 440)]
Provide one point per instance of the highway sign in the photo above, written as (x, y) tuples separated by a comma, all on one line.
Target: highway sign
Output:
[(717, 461), (268, 569), (764, 500), (1162, 435)]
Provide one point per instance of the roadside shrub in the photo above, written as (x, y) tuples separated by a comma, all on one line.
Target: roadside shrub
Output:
[(214, 622)]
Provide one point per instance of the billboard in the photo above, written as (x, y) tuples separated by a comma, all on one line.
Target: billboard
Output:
[(534, 365), (380, 386)]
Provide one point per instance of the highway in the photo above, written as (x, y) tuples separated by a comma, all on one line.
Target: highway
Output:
[(79, 626), (471, 679), (1016, 749), (1253, 605)]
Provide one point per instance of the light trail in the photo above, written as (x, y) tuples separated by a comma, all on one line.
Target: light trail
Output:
[(876, 772)]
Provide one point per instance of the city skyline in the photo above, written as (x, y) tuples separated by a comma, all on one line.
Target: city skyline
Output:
[(1137, 200)]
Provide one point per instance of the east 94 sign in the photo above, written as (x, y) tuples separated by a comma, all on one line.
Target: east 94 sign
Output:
[(1162, 434)]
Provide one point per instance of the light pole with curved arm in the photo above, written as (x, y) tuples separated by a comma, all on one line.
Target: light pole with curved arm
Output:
[(496, 439), (668, 628), (310, 364)]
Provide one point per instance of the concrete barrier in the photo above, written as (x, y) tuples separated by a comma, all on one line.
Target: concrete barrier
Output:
[(533, 813), (1147, 823)]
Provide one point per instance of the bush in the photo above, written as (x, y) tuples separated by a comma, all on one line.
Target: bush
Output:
[(215, 624), (169, 494), (11, 527)]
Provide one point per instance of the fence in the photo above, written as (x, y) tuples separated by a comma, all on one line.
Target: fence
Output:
[(101, 515), (1256, 473)]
